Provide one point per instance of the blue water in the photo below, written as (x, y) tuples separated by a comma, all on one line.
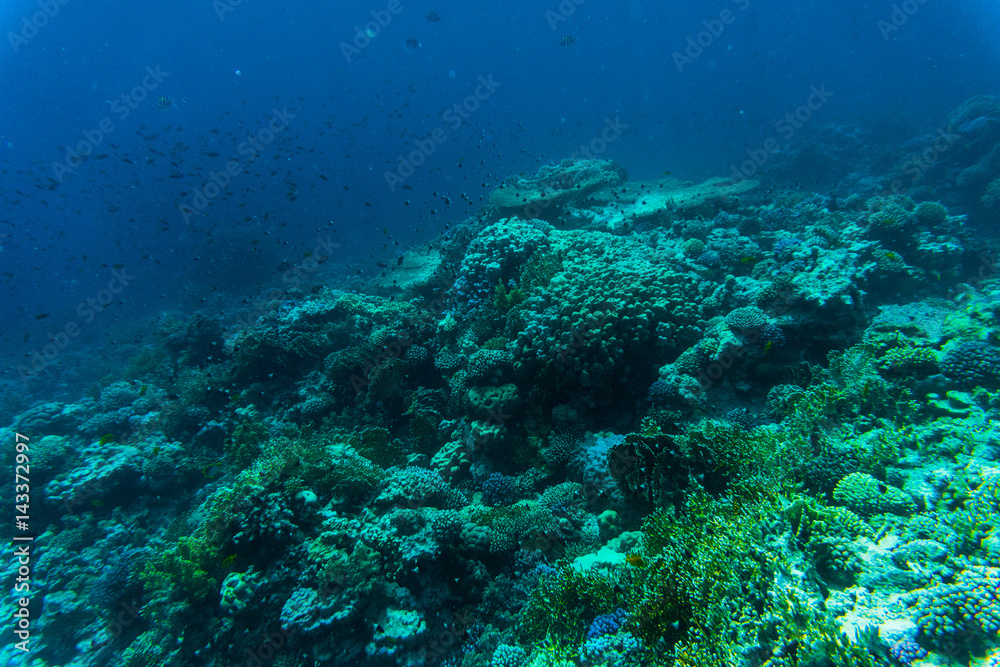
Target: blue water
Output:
[(352, 120)]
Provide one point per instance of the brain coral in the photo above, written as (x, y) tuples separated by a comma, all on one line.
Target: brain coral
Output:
[(973, 363), (615, 307), (742, 320), (497, 253), (865, 495)]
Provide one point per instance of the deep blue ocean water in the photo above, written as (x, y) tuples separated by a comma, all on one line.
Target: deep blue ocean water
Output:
[(227, 68)]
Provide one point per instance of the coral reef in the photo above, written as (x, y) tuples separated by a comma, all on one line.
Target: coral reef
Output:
[(599, 423)]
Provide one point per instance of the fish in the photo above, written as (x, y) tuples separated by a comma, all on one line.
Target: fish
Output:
[(212, 470), (748, 260), (41, 316), (142, 389), (163, 103), (106, 438), (635, 560), (228, 561), (568, 40), (433, 17)]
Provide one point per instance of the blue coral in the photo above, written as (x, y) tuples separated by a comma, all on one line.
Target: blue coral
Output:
[(613, 650), (662, 392), (507, 655), (709, 258), (499, 489), (772, 337), (607, 624), (787, 246)]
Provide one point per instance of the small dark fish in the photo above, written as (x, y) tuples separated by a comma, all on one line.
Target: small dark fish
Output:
[(41, 316), (568, 40), (433, 17), (164, 103), (142, 389), (412, 44), (399, 262)]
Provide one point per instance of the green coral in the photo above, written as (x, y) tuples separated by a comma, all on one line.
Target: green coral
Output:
[(187, 574), (756, 460), (564, 603), (374, 444), (151, 648), (864, 494), (693, 247), (908, 362), (245, 444), (828, 535), (504, 301)]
